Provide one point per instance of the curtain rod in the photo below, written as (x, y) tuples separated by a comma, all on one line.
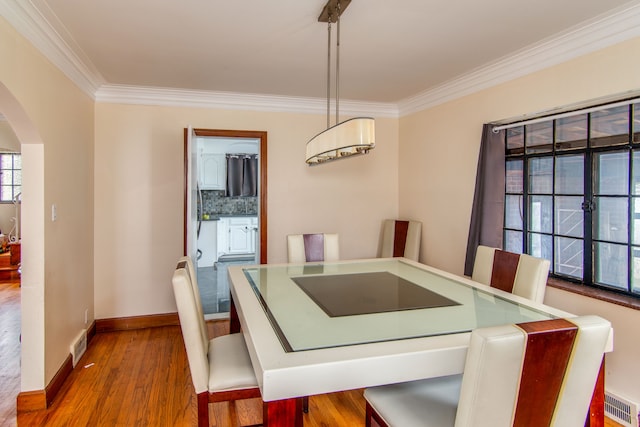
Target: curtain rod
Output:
[(496, 129)]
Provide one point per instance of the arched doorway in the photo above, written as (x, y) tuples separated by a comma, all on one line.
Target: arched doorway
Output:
[(32, 340)]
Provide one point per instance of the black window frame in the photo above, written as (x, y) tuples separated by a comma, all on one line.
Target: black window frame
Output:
[(590, 151)]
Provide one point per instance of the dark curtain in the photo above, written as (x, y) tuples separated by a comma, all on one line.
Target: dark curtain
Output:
[(250, 182), (487, 215), (242, 175)]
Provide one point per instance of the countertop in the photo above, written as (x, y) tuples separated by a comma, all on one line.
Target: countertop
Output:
[(216, 217)]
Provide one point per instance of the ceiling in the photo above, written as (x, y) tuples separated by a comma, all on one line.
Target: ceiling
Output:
[(390, 50)]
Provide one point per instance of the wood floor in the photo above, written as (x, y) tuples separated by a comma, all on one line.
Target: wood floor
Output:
[(9, 351), (140, 378)]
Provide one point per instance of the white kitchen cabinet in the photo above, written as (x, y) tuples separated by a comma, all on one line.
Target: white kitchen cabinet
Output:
[(213, 171), (237, 235), (207, 242)]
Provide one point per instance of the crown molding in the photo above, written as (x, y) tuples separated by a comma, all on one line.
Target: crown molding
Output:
[(603, 31), (617, 26), (29, 22), (121, 94)]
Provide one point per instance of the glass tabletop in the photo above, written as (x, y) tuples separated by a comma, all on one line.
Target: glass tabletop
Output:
[(315, 306)]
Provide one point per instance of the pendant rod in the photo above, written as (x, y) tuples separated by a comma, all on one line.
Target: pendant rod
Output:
[(338, 63), (329, 73)]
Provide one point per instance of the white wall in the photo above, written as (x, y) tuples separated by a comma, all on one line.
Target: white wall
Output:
[(51, 115), (139, 195), (438, 159)]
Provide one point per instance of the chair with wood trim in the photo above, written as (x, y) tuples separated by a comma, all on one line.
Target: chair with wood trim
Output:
[(532, 374), (312, 247), (519, 274), (318, 247), (220, 368), (401, 239)]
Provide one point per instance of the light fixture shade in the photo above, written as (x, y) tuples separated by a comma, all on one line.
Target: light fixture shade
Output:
[(353, 136)]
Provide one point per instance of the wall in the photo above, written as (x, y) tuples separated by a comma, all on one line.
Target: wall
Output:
[(139, 180), (8, 141), (53, 120), (438, 159)]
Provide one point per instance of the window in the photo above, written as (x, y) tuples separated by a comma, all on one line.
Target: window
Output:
[(10, 176), (572, 196)]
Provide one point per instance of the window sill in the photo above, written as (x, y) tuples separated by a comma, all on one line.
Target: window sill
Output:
[(599, 294)]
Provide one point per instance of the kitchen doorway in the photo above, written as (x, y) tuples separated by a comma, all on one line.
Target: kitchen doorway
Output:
[(228, 222)]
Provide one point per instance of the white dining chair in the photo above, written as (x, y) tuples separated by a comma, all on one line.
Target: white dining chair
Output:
[(519, 274), (312, 247), (221, 369), (532, 374), (401, 238)]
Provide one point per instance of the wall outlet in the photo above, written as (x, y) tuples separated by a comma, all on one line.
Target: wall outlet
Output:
[(86, 315)]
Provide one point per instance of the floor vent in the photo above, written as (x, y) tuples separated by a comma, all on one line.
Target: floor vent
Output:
[(621, 410), (78, 347)]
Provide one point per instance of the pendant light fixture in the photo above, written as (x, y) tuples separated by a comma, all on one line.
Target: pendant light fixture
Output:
[(353, 136)]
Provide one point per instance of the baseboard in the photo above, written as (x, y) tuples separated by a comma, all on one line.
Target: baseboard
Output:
[(28, 401), (137, 322), (36, 400)]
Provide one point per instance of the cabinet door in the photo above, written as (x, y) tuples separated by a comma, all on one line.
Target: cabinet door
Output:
[(213, 171), (240, 235)]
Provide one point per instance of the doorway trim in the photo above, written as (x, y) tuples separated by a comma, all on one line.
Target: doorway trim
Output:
[(262, 219)]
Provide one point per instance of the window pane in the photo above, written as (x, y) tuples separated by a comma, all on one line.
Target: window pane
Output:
[(541, 175), (635, 284), (611, 219), (635, 221), (514, 177), (540, 245), (513, 212), (6, 162), (611, 264), (612, 173), (571, 132), (515, 140), (17, 161), (570, 174), (635, 184), (610, 126), (636, 123), (6, 177), (513, 241), (569, 257), (540, 214), (539, 137), (6, 193), (569, 216)]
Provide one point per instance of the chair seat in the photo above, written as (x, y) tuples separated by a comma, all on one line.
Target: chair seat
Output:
[(426, 403), (229, 364)]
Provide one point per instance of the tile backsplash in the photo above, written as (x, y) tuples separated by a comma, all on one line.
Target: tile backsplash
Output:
[(215, 202)]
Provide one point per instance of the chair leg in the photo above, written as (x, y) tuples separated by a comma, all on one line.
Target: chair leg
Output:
[(371, 414), (203, 409), (305, 404)]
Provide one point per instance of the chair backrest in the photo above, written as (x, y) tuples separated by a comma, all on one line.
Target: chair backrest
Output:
[(401, 239), (532, 374), (193, 279), (312, 247), (191, 324), (520, 274)]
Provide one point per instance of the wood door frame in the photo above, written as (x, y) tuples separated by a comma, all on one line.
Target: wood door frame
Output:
[(222, 133)]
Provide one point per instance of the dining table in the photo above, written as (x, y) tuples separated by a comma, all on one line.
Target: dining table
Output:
[(326, 327)]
